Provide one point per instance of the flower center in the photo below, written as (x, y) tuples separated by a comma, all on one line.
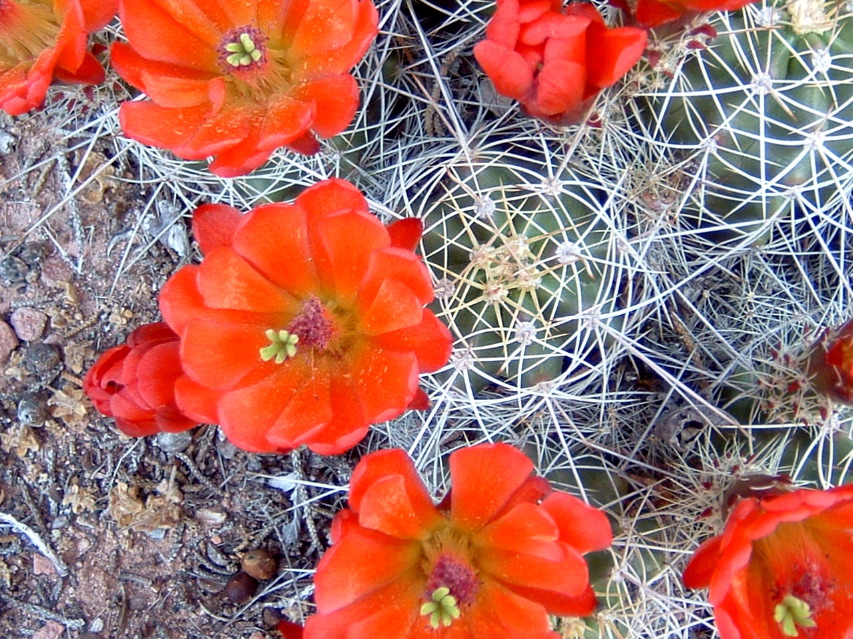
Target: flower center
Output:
[(313, 325), (243, 49), (26, 29), (452, 581), (793, 612)]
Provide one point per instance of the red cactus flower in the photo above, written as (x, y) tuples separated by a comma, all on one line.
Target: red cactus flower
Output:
[(652, 13), (494, 559), (555, 60), (45, 39), (304, 323), (829, 364), (135, 382), (237, 80), (783, 567)]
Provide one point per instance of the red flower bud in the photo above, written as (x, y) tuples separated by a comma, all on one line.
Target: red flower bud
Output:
[(829, 365), (135, 382)]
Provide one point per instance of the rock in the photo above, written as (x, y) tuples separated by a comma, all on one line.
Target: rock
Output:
[(28, 323), (8, 341)]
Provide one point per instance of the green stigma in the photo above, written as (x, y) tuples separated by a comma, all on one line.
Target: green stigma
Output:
[(443, 608), (793, 612), (242, 53), (282, 345)]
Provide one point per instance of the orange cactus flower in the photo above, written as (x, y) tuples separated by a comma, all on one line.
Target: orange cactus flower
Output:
[(829, 364), (45, 39), (304, 322), (652, 13), (499, 554), (237, 80), (783, 567), (555, 60), (135, 383)]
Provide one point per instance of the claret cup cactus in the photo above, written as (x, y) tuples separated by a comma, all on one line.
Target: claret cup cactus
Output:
[(764, 108), (523, 258)]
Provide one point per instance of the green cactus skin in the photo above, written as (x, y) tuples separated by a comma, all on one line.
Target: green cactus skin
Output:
[(769, 107), (520, 257)]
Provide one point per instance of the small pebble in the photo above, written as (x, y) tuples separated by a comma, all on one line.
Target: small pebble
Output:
[(32, 409), (259, 564), (41, 358), (13, 271), (174, 442), (8, 341), (240, 588), (28, 323)]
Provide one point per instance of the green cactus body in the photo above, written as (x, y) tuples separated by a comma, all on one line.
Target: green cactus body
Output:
[(519, 259), (768, 106)]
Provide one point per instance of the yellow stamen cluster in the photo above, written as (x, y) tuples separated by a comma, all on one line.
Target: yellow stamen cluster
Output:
[(443, 608), (244, 52), (793, 612), (282, 346)]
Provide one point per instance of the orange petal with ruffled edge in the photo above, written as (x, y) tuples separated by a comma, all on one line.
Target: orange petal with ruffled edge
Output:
[(347, 43), (511, 74), (397, 602), (557, 603), (220, 355), (568, 575), (329, 197), (243, 157), (343, 245), (394, 307), (155, 34), (484, 479), (361, 563), (582, 527), (214, 225), (196, 401), (612, 52), (168, 85), (406, 233), (227, 281), (284, 121), (385, 381), (392, 463), (387, 507), (348, 427), (274, 240), (156, 372), (246, 415), (501, 614), (152, 124), (307, 411), (400, 265), (559, 88), (651, 13), (333, 102), (526, 529)]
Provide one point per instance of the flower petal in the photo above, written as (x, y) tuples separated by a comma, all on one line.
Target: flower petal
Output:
[(406, 233), (220, 355), (162, 127), (484, 478), (394, 307), (567, 576), (349, 424), (612, 52), (391, 463), (196, 401), (430, 340), (274, 240), (501, 614), (214, 225), (284, 121), (701, 567), (227, 281), (308, 410), (560, 88), (508, 70), (527, 529), (332, 102), (582, 527), (343, 245), (361, 563), (385, 381), (154, 33), (388, 508)]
